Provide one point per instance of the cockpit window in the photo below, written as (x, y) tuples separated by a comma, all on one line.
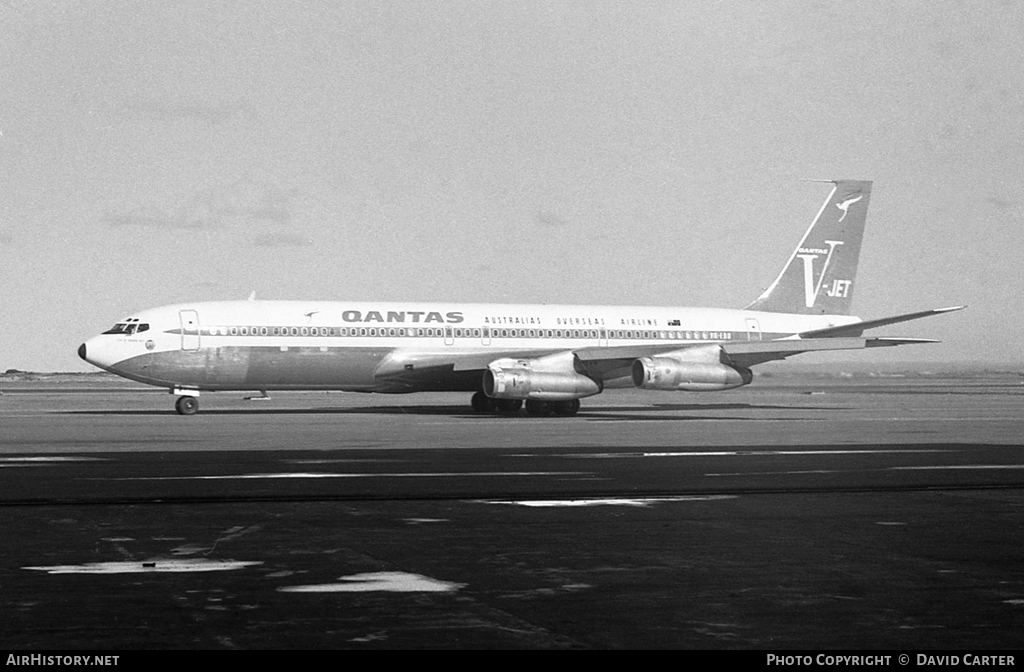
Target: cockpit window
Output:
[(127, 328)]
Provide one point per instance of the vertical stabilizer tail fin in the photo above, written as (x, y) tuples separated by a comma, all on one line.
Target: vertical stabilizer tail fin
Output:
[(818, 278)]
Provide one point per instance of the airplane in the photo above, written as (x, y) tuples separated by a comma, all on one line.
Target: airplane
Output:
[(548, 356)]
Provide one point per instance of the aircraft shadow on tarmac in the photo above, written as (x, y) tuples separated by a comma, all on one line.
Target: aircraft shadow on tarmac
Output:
[(596, 413)]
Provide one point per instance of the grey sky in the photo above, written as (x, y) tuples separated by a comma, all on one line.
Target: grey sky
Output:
[(605, 152)]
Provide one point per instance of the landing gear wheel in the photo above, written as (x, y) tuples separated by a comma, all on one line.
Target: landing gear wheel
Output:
[(536, 407), (482, 403), (566, 409), (508, 406), (186, 405)]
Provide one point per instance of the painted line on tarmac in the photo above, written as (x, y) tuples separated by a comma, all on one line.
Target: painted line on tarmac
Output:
[(787, 473), (51, 458), (961, 466), (391, 582), (148, 566), (745, 453), (930, 467), (44, 461), (236, 477), (606, 501)]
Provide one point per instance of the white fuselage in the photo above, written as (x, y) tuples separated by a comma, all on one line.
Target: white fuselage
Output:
[(264, 345)]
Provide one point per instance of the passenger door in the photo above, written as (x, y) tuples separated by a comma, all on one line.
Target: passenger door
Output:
[(189, 329), (753, 329)]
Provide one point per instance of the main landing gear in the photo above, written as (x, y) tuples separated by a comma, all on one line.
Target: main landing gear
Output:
[(484, 404)]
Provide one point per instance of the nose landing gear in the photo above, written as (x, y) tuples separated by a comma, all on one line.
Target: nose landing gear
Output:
[(188, 402), (186, 405)]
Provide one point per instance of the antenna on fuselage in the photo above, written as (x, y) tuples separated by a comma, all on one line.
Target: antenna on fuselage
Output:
[(252, 297)]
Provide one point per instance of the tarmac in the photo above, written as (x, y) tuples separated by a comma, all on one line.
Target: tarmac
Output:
[(799, 513)]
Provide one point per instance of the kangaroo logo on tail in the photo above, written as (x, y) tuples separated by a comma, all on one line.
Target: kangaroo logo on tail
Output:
[(845, 206), (822, 281)]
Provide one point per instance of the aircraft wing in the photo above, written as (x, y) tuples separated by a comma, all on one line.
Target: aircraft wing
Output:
[(741, 353), (415, 367)]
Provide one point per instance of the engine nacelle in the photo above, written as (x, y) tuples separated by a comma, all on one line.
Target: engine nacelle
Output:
[(552, 378), (701, 371)]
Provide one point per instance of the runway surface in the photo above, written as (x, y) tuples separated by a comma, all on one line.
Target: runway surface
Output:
[(881, 513)]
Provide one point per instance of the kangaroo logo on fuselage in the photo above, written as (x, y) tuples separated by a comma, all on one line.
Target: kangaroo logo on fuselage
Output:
[(845, 205)]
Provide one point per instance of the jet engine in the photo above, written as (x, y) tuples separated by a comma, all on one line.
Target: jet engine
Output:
[(703, 369), (553, 378)]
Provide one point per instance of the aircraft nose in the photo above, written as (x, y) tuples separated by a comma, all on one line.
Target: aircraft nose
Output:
[(81, 351)]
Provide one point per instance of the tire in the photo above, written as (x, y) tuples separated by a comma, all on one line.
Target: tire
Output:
[(566, 409), (482, 403), (186, 405), (508, 406), (538, 408)]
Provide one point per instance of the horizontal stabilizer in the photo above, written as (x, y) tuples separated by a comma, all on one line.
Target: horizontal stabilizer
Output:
[(857, 328), (757, 352)]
